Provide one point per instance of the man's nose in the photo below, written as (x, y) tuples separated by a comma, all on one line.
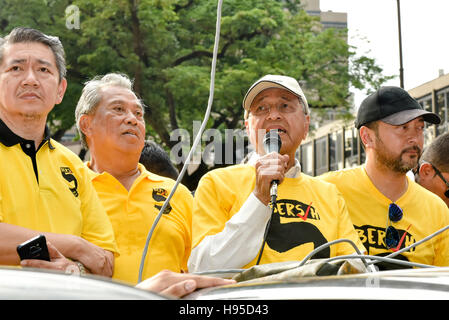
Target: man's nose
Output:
[(130, 117), (30, 78), (273, 112)]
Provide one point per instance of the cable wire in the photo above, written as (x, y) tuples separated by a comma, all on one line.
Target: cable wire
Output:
[(267, 228), (328, 244), (417, 243), (388, 258), (195, 142), (383, 259)]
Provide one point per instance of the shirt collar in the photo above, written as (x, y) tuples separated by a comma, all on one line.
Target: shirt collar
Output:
[(293, 172), (143, 173), (9, 138)]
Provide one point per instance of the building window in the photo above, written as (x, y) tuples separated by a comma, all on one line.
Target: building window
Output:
[(336, 150), (351, 149), (429, 133), (321, 155), (307, 158), (441, 108)]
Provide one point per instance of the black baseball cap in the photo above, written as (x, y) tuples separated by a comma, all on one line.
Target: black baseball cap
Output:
[(392, 105)]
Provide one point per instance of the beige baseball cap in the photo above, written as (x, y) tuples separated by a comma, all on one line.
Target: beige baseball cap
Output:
[(275, 81)]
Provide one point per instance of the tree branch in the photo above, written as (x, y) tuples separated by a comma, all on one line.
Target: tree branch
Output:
[(209, 54), (180, 7)]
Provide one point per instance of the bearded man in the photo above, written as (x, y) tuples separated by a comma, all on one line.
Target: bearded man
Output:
[(389, 210)]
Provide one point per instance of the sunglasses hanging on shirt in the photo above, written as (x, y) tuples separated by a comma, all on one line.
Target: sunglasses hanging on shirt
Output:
[(391, 234)]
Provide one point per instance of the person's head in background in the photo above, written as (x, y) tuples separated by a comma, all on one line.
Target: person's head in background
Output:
[(433, 169), (157, 161)]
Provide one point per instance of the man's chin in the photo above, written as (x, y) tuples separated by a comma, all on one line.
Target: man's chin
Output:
[(407, 166)]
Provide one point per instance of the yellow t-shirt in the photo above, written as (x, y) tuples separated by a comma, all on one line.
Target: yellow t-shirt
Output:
[(308, 213), (132, 214), (58, 197), (423, 214)]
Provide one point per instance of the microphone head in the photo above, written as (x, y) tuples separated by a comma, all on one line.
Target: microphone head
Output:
[(272, 141)]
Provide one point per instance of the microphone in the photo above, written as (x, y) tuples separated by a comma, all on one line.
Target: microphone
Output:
[(272, 143)]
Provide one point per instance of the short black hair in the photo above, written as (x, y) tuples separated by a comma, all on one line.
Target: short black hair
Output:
[(157, 161)]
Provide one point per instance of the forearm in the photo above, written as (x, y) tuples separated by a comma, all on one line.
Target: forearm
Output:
[(11, 236), (238, 243), (96, 259)]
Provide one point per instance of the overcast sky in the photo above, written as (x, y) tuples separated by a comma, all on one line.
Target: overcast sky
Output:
[(373, 28)]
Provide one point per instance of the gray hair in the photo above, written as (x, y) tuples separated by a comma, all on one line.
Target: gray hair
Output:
[(22, 35), (92, 95), (437, 153)]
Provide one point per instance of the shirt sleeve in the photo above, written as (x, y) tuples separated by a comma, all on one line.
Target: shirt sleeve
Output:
[(222, 243), (97, 228), (182, 203)]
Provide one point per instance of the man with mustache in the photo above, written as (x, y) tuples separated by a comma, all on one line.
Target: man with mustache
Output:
[(44, 187), (232, 206), (389, 210), (109, 117)]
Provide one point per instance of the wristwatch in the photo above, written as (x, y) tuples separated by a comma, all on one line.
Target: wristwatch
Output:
[(81, 267)]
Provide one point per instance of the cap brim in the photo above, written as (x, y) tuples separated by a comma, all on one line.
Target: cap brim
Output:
[(399, 118), (258, 88)]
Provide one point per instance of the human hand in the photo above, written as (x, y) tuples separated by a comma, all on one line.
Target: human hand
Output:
[(57, 261), (95, 259), (269, 167), (178, 285)]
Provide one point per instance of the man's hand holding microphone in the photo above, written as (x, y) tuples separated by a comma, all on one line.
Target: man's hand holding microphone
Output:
[(270, 168)]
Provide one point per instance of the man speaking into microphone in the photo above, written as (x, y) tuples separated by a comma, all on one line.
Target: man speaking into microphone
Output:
[(233, 206)]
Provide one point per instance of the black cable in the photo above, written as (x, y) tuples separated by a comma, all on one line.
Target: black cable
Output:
[(273, 204)]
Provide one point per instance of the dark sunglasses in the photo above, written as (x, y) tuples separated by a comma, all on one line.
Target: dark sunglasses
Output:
[(391, 234), (446, 193)]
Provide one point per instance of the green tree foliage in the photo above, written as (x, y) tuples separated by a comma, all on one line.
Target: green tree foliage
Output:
[(166, 47)]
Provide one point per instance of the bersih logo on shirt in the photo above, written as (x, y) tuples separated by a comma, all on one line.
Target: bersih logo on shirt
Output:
[(67, 174)]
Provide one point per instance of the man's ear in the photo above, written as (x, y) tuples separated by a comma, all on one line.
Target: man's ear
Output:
[(426, 170), (246, 127), (62, 86), (367, 136), (306, 126), (85, 124)]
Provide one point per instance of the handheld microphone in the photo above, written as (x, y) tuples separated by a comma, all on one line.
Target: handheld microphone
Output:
[(272, 143)]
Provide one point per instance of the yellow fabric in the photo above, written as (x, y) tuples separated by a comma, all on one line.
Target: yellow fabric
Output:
[(423, 214), (64, 201), (132, 214), (222, 192)]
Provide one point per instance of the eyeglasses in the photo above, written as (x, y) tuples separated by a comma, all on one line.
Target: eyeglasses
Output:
[(446, 193), (391, 234)]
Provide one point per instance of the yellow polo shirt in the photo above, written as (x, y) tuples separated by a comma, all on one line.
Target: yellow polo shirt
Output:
[(49, 190), (132, 214)]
